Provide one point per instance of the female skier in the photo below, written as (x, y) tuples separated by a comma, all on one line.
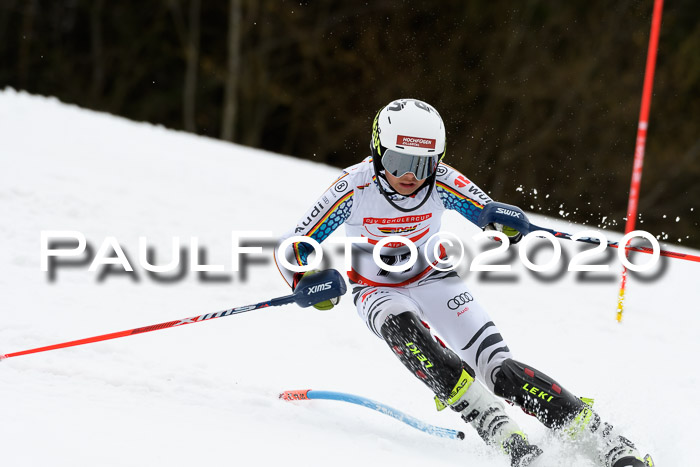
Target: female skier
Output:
[(402, 190)]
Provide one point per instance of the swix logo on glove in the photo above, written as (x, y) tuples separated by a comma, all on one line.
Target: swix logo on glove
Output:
[(319, 288), (415, 142), (508, 212)]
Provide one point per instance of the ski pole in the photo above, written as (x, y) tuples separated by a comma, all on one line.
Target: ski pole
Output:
[(306, 394), (641, 249), (312, 289), (513, 216)]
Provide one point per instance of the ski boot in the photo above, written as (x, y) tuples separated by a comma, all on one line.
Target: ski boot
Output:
[(520, 451), (618, 451), (634, 462), (486, 414), (478, 407), (601, 441)]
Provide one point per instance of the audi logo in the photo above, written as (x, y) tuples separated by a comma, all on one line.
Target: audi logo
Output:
[(459, 300)]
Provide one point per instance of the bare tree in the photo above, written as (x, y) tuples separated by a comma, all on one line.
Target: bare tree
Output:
[(190, 38), (26, 42), (98, 71), (228, 124), (190, 92)]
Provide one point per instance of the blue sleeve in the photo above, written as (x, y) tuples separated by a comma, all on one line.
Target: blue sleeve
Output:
[(460, 194), (327, 220), (322, 219)]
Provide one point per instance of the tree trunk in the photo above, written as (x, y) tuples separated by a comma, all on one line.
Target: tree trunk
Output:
[(98, 72), (192, 52), (228, 124), (25, 42)]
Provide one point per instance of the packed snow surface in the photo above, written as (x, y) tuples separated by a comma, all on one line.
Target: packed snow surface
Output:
[(207, 394)]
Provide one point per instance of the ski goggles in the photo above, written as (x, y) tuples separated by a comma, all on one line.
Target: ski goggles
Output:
[(399, 164)]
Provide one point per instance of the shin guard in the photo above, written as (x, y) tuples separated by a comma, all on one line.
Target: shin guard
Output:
[(538, 394), (557, 408), (437, 366)]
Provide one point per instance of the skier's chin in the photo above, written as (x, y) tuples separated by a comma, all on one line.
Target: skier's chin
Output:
[(407, 188), (404, 187)]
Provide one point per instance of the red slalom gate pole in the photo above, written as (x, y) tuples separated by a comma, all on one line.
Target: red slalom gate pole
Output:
[(632, 203)]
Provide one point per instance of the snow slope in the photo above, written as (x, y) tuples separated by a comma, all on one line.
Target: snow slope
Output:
[(207, 394)]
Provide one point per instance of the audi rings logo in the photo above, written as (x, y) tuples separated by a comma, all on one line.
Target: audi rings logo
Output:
[(340, 186), (460, 300), (442, 170)]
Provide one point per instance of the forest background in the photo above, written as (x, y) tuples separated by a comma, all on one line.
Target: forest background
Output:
[(540, 99)]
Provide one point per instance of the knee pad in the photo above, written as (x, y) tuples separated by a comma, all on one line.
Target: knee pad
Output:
[(537, 393), (433, 363)]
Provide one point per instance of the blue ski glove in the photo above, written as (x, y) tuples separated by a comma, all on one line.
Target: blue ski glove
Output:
[(324, 305), (500, 216), (513, 235)]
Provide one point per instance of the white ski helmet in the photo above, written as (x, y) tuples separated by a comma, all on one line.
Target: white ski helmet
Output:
[(408, 135)]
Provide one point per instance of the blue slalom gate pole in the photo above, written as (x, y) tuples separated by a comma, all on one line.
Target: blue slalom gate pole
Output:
[(307, 394)]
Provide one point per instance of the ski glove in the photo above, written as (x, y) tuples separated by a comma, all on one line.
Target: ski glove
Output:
[(513, 235), (324, 305)]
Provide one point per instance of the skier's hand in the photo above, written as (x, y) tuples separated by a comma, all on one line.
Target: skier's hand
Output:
[(513, 235), (506, 218), (324, 305)]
